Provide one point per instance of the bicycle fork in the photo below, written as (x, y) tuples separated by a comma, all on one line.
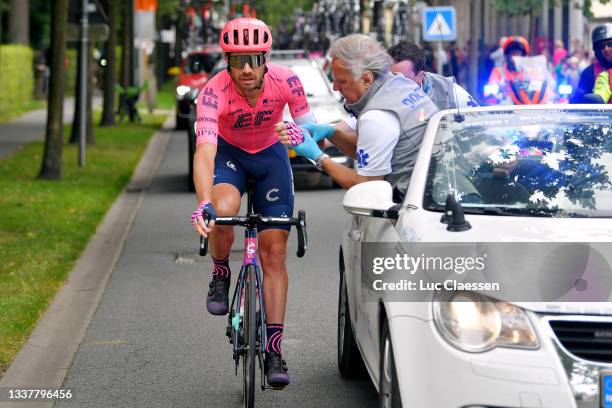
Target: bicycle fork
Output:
[(235, 326)]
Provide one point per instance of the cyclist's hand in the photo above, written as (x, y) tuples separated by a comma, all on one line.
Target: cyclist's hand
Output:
[(319, 131), (197, 218), (289, 133), (308, 148)]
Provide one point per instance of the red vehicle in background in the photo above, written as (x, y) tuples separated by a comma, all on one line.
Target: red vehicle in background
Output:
[(194, 72)]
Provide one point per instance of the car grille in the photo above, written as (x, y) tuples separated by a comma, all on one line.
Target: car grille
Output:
[(585, 339)]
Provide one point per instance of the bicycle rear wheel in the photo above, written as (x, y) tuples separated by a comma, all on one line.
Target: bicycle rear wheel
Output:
[(248, 341)]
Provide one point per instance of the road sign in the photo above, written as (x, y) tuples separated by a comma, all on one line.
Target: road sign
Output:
[(95, 32), (439, 24)]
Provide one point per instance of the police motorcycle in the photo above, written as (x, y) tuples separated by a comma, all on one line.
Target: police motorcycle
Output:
[(531, 83)]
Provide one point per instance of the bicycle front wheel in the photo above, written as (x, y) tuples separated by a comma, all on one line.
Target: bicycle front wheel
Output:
[(248, 341)]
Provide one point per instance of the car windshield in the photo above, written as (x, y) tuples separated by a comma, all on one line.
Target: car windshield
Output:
[(528, 162), (312, 79), (201, 63)]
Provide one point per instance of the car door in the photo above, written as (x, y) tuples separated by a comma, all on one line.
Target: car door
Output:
[(367, 328)]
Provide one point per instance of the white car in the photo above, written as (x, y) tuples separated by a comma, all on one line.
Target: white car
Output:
[(537, 174)]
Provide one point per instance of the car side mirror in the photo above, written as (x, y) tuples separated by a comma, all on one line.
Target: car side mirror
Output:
[(174, 71), (372, 199)]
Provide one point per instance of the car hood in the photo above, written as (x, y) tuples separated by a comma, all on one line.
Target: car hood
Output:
[(541, 259), (426, 226)]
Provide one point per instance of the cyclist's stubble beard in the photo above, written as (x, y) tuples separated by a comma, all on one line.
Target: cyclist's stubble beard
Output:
[(254, 75)]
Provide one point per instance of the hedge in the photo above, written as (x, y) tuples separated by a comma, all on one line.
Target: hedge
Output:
[(16, 77)]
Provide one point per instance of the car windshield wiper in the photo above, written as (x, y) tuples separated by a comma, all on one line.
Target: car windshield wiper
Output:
[(534, 212)]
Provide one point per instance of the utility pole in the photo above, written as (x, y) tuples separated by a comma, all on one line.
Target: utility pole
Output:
[(84, 81)]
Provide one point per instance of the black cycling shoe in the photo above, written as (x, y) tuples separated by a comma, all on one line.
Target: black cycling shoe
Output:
[(276, 370), (217, 301)]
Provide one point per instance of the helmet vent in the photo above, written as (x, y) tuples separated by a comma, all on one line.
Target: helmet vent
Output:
[(226, 38), (265, 37), (245, 36), (255, 37), (235, 37)]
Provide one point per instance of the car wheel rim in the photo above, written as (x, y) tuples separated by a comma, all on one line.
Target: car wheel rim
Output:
[(387, 375)]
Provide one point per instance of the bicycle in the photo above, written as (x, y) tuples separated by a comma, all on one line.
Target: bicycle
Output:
[(246, 327)]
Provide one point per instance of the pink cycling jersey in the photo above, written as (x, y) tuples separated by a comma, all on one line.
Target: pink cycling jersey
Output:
[(223, 112)]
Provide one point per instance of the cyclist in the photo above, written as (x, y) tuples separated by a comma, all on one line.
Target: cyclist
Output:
[(602, 46), (236, 113), (409, 60)]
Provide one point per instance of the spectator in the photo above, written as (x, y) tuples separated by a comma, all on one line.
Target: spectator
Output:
[(560, 52)]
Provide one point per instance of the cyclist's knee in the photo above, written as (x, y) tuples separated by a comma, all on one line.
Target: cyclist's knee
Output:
[(226, 200), (273, 246)]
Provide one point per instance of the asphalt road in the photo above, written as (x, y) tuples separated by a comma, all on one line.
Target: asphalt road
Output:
[(151, 342)]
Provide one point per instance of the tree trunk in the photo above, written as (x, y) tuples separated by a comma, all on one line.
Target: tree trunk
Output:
[(52, 156), (127, 51), (110, 72), (76, 122), (532, 27), (19, 22)]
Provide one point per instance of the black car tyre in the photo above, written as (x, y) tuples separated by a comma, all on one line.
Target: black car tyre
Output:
[(388, 387), (350, 362), (181, 122)]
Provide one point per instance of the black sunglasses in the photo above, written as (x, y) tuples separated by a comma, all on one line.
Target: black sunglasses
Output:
[(604, 44), (239, 61)]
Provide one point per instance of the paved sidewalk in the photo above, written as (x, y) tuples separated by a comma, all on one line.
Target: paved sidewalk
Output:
[(31, 126)]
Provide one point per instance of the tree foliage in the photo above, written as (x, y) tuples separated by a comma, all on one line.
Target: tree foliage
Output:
[(534, 7), (271, 11)]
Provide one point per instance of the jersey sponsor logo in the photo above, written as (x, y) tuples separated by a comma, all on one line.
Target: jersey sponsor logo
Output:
[(301, 108), (413, 97), (298, 91), (205, 119), (293, 81), (270, 197), (263, 116), (206, 132), (231, 165), (209, 98), (362, 158), (244, 120)]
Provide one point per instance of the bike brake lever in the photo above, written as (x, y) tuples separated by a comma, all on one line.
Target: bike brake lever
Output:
[(204, 241)]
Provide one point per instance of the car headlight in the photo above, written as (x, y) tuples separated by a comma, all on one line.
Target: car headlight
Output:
[(181, 90), (475, 323)]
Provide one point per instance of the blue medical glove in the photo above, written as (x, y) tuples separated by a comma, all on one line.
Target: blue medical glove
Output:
[(308, 148), (319, 131)]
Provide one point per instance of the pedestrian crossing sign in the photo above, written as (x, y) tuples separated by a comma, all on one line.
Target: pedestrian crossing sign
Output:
[(439, 24)]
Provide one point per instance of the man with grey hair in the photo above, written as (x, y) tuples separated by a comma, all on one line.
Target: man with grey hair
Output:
[(391, 112)]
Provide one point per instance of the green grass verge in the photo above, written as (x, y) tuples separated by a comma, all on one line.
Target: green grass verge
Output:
[(30, 105), (166, 97), (45, 225)]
